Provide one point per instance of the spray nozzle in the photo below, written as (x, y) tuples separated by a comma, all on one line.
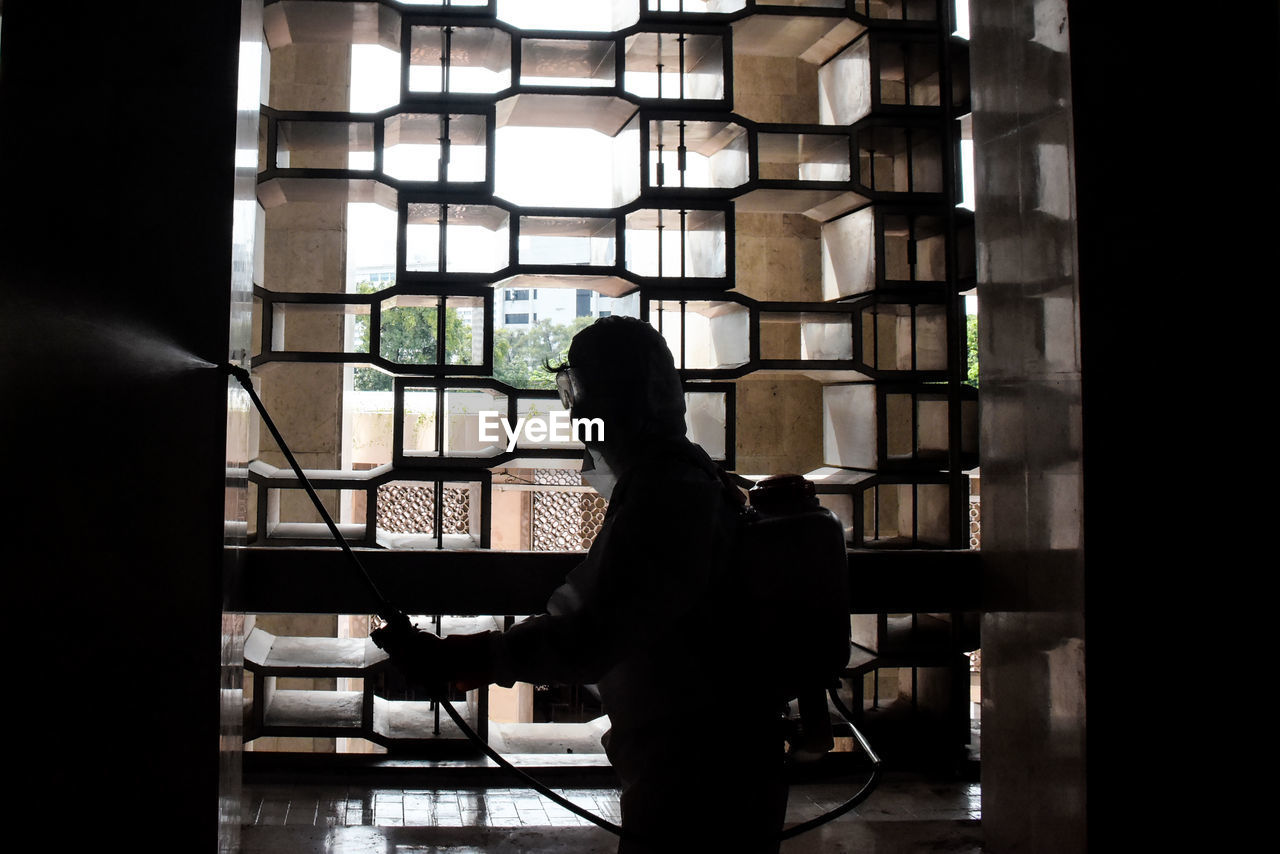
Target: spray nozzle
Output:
[(236, 371)]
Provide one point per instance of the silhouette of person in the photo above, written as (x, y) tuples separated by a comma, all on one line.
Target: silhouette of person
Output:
[(649, 616)]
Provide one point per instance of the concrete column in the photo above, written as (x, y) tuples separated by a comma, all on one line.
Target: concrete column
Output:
[(119, 429), (305, 250), (1033, 632)]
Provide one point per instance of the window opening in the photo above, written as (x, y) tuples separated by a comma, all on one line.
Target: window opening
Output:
[(441, 252)]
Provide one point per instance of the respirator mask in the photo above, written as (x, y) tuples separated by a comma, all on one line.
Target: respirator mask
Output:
[(597, 474)]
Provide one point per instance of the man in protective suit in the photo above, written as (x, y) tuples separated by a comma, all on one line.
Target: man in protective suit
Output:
[(650, 616)]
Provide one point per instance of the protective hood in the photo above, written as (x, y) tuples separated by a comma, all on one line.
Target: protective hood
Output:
[(628, 377)]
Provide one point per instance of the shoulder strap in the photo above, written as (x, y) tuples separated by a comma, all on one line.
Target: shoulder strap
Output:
[(732, 488)]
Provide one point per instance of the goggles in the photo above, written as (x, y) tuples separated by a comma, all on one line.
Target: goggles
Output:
[(570, 388)]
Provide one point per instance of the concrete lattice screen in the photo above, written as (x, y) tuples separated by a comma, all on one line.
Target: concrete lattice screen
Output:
[(561, 521), (411, 510), (773, 188), (565, 521)]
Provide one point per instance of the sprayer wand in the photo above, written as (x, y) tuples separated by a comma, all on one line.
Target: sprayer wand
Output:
[(388, 612)]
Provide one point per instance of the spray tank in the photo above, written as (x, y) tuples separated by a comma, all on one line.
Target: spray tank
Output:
[(791, 568)]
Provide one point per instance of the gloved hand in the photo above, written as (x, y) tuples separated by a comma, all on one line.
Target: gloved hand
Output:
[(435, 663), (415, 653)]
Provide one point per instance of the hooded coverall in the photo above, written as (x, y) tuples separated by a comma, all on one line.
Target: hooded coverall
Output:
[(650, 616)]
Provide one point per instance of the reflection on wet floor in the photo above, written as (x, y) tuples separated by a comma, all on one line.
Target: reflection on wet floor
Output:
[(906, 813)]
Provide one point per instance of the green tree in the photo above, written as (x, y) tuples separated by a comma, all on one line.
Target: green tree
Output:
[(971, 328), (408, 337), (519, 354)]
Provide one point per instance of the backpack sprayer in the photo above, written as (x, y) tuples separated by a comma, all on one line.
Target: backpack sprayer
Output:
[(783, 511)]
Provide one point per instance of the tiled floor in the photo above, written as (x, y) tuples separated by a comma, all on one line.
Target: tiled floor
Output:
[(906, 813)]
